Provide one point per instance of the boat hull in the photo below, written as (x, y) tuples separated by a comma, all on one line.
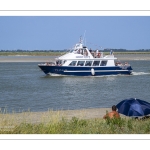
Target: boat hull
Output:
[(85, 71)]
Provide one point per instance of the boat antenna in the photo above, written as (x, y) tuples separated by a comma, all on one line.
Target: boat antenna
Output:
[(81, 39), (85, 42), (84, 35)]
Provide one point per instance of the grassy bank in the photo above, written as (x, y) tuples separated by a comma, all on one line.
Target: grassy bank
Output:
[(85, 121), (80, 126), (57, 53)]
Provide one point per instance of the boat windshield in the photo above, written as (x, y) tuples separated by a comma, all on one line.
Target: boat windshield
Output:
[(73, 50)]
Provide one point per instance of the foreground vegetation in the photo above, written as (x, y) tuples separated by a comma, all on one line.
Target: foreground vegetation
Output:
[(81, 126)]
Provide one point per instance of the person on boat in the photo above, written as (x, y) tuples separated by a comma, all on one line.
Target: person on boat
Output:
[(90, 50), (97, 53), (126, 64), (111, 52), (101, 54), (112, 114), (85, 53), (57, 63), (78, 51), (118, 64)]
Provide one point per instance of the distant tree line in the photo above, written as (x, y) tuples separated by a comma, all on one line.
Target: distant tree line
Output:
[(125, 50), (31, 50), (105, 50)]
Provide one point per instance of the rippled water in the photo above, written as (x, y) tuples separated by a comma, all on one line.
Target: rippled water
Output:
[(23, 87)]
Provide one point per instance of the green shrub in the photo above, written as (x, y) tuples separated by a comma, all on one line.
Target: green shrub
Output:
[(81, 126)]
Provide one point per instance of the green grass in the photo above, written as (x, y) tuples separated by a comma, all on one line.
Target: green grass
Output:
[(82, 126)]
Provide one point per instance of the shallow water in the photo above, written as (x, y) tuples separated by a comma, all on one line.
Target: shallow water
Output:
[(24, 87)]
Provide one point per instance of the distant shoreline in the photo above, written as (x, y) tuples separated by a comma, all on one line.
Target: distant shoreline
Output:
[(28, 58)]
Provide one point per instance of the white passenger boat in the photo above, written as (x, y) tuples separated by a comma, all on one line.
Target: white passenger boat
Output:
[(80, 61)]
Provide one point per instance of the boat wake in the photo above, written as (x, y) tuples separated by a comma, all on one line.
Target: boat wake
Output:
[(140, 73), (102, 76), (55, 75), (133, 73)]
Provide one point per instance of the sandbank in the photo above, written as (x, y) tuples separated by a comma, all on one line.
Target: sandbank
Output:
[(27, 58)]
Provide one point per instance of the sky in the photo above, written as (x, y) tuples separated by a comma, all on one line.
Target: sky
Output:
[(63, 32)]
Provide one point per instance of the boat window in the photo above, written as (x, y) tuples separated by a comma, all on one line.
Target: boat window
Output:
[(73, 63), (103, 63), (88, 63), (80, 63), (96, 63)]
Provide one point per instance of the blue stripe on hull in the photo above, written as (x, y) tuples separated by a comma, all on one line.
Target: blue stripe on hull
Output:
[(85, 71)]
